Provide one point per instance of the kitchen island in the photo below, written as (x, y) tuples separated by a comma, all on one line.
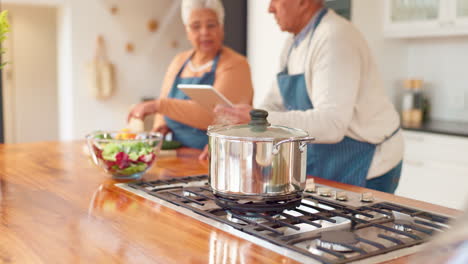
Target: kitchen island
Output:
[(57, 207)]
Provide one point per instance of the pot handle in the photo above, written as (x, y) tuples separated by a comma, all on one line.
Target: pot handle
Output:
[(302, 146)]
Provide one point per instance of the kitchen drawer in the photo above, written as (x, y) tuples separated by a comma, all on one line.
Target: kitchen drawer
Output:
[(424, 147), (435, 169), (438, 183)]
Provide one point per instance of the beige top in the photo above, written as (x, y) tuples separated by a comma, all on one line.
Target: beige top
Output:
[(232, 79), (346, 90)]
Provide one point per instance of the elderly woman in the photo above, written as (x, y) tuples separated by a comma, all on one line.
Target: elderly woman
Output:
[(209, 62)]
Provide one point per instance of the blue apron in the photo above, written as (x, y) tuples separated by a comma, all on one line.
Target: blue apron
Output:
[(347, 161), (189, 136)]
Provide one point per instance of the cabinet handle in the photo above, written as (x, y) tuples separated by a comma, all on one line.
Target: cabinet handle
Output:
[(415, 163)]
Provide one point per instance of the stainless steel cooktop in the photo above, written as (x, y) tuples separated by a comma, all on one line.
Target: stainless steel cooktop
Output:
[(329, 226)]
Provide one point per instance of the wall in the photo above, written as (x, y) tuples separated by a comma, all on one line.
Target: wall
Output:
[(35, 2), (442, 63), (31, 77), (139, 74), (265, 42), (390, 55), (264, 45)]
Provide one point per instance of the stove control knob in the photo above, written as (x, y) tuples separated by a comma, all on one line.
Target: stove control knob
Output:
[(325, 192), (342, 196), (367, 197), (310, 186)]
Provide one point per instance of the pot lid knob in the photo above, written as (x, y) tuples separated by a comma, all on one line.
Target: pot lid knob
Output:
[(258, 118)]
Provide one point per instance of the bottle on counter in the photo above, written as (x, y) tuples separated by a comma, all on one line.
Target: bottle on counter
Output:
[(412, 104), (426, 108)]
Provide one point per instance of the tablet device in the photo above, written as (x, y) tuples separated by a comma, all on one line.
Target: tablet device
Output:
[(205, 95)]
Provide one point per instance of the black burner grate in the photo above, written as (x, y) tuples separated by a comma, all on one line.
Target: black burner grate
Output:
[(267, 207), (273, 229)]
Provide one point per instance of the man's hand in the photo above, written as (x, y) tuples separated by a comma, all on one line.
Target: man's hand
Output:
[(239, 114), (204, 155)]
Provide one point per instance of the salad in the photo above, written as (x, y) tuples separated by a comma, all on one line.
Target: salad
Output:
[(124, 158)]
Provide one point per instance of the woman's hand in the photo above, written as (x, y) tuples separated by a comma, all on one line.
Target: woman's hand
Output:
[(238, 114), (141, 110), (163, 129)]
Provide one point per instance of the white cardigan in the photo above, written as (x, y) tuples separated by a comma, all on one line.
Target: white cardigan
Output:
[(346, 90)]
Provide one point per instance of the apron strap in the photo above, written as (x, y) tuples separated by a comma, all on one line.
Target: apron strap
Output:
[(185, 64), (391, 135), (215, 62)]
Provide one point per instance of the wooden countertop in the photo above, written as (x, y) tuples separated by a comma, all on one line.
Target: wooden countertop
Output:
[(57, 207)]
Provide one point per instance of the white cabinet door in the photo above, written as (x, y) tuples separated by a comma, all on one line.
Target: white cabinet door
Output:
[(415, 12), (435, 169), (425, 18), (460, 12), (412, 175), (434, 182), (410, 18)]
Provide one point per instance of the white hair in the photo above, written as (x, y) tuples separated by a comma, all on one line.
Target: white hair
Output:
[(189, 5)]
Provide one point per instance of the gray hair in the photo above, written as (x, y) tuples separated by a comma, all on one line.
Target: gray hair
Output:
[(189, 5)]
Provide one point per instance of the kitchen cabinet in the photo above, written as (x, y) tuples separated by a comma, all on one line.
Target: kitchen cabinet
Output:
[(460, 13), (425, 18), (435, 169)]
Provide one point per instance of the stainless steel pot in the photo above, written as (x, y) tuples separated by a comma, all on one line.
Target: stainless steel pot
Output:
[(257, 161)]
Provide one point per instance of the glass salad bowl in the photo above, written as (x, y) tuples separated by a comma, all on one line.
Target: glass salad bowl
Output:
[(122, 154)]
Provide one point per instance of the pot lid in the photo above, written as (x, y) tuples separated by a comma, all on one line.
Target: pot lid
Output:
[(258, 129)]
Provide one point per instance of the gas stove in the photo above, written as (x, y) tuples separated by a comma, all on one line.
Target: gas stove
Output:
[(326, 225)]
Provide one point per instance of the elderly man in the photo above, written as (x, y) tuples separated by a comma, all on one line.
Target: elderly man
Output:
[(329, 85)]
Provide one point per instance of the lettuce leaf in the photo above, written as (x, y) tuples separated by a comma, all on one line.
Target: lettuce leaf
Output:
[(133, 149), (110, 151)]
